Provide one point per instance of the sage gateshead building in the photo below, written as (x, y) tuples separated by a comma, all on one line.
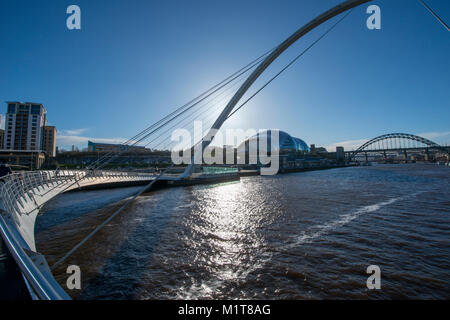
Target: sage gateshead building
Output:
[(288, 147)]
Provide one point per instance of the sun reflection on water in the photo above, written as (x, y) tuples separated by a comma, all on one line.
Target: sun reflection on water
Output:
[(225, 228)]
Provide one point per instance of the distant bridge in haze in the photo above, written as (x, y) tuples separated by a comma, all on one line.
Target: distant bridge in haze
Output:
[(401, 143)]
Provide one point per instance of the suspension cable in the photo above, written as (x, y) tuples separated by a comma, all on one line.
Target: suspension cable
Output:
[(227, 81), (100, 226), (435, 15), (196, 113), (142, 190), (112, 155), (138, 138)]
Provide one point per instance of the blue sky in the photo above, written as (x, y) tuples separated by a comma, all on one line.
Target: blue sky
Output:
[(135, 61)]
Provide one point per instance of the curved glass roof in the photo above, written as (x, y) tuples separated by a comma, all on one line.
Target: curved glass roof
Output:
[(287, 143)]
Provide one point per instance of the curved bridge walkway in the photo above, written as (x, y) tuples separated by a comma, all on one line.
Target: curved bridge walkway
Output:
[(23, 195)]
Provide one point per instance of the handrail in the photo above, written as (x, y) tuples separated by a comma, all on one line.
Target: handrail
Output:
[(17, 187), (45, 288), (19, 193)]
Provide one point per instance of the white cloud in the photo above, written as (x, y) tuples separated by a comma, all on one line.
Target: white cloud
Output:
[(74, 132), (66, 140), (434, 135), (348, 145)]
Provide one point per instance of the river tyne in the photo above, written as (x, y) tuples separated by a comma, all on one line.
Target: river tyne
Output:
[(308, 235)]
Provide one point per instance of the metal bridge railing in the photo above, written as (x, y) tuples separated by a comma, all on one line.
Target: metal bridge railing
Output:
[(40, 285), (19, 193), (19, 189)]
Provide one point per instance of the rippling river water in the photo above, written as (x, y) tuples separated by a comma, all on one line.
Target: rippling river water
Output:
[(307, 235)]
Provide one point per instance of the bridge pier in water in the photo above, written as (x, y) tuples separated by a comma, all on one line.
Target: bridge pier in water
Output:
[(427, 155)]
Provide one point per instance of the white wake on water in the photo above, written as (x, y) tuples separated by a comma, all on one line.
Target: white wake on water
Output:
[(342, 220), (210, 286)]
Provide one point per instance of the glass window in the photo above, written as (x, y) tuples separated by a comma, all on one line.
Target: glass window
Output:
[(11, 108), (35, 109)]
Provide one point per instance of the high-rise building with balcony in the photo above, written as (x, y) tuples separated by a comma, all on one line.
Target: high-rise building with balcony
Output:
[(24, 126)]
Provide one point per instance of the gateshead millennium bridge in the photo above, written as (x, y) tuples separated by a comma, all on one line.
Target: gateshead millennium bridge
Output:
[(23, 195)]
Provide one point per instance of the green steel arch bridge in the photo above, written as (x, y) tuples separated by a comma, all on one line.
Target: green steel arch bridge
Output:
[(397, 142)]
